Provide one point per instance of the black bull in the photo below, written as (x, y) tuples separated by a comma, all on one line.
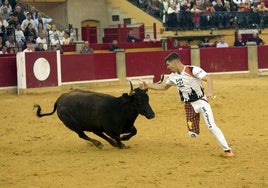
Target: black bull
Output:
[(104, 115)]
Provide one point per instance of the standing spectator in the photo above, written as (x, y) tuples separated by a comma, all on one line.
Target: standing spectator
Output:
[(34, 12), (41, 20), (86, 48), (26, 22), (19, 13), (196, 17), (255, 38), (3, 26), (222, 43), (220, 18), (20, 38), (114, 46), (239, 41), (172, 16)]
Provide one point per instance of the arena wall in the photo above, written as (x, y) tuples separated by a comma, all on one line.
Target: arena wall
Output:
[(98, 67)]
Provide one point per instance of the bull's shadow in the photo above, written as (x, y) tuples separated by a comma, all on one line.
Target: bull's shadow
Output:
[(111, 118)]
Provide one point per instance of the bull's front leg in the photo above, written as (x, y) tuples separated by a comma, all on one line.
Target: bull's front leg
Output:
[(133, 131)]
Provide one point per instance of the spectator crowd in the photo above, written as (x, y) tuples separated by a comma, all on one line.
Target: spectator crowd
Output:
[(23, 28), (205, 14)]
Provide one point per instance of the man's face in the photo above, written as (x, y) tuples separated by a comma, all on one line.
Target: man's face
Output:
[(171, 65)]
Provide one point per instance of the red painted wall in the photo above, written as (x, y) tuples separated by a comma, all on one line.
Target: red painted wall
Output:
[(151, 63), (224, 59), (8, 70), (82, 67), (262, 57)]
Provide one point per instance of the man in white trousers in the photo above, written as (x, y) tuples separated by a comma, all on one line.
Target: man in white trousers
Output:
[(188, 80)]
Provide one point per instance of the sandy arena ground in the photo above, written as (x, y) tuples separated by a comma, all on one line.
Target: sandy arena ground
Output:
[(44, 153)]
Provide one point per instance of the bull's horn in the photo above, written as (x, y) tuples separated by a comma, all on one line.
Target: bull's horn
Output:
[(131, 88), (161, 79)]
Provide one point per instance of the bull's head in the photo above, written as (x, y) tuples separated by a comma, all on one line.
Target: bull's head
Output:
[(141, 101)]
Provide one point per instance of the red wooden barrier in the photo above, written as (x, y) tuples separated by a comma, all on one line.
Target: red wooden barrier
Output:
[(224, 59), (151, 63), (8, 70), (262, 57), (83, 67)]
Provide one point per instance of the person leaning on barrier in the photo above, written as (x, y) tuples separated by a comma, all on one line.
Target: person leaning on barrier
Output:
[(222, 43), (114, 46), (239, 41), (255, 38), (86, 48)]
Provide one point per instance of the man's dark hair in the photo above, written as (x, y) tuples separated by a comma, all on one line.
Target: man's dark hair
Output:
[(172, 56)]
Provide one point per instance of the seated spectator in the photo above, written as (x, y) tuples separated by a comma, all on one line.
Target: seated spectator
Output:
[(55, 40), (222, 43), (86, 48), (131, 38), (40, 47), (66, 38), (30, 31), (20, 38), (3, 50), (11, 42), (40, 29), (114, 46), (12, 51), (255, 38), (29, 47), (42, 39), (54, 31), (148, 38), (239, 41), (6, 4), (58, 47), (31, 39)]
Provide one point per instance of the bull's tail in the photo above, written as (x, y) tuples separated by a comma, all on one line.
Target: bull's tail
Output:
[(38, 112)]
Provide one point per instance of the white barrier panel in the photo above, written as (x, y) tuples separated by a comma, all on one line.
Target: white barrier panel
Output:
[(38, 69)]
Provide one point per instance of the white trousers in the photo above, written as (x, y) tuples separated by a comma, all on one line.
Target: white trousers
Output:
[(203, 107)]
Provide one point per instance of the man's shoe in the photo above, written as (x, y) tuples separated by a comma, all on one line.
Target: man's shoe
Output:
[(229, 153)]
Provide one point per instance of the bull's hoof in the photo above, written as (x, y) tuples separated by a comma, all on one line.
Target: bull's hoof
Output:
[(124, 147), (98, 144)]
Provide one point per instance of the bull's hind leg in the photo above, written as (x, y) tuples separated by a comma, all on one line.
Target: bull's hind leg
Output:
[(96, 143), (72, 124)]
